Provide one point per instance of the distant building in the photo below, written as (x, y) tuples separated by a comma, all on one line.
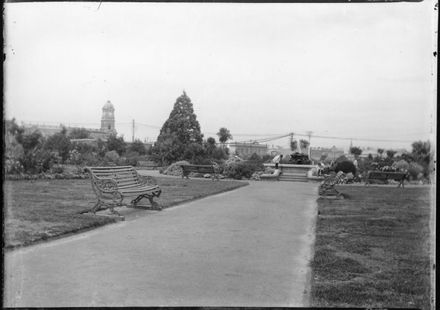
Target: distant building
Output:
[(107, 125), (316, 153), (245, 150), (367, 151), (278, 150)]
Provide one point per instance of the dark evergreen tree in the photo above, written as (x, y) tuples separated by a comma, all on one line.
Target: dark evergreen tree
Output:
[(180, 130)]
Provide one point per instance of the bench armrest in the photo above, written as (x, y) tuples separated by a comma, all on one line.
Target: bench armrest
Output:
[(106, 185)]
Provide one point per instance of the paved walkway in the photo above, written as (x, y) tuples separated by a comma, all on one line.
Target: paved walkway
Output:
[(248, 247)]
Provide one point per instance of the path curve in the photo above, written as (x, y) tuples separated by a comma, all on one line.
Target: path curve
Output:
[(248, 247)]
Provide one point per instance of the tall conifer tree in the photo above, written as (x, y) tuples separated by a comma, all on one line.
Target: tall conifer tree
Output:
[(180, 130)]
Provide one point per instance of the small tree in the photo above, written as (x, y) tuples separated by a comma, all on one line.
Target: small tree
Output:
[(380, 152), (390, 153), (13, 128), (356, 151), (304, 144), (224, 135), (210, 146), (293, 145)]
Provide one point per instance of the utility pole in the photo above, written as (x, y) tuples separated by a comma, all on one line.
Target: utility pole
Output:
[(291, 141), (132, 132)]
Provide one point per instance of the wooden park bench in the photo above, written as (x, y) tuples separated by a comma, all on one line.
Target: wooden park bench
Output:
[(112, 184), (384, 176), (187, 169)]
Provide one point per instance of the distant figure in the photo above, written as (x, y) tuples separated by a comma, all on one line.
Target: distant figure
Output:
[(277, 159), (321, 168)]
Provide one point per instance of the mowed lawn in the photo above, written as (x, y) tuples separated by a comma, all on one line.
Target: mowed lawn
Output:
[(43, 209), (372, 249)]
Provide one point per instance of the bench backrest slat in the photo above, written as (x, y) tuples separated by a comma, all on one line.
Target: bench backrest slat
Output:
[(125, 176)]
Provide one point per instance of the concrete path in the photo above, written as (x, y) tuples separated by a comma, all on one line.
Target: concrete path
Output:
[(248, 247)]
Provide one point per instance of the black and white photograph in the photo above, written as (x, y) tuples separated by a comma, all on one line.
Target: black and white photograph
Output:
[(219, 154)]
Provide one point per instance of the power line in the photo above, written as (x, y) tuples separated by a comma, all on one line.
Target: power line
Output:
[(266, 137)]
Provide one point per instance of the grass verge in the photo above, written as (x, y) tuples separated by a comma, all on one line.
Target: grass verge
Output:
[(372, 249), (44, 209)]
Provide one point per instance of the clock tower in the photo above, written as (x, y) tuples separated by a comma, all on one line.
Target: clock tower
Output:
[(108, 118)]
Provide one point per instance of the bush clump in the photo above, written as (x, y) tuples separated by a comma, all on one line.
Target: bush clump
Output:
[(175, 169), (346, 167), (239, 169)]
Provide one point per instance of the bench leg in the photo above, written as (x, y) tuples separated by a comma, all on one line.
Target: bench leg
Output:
[(96, 207), (150, 198), (117, 201)]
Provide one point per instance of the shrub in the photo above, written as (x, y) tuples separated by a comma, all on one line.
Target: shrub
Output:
[(13, 166), (238, 170), (91, 159), (175, 169), (255, 157), (117, 144), (346, 167), (219, 153), (132, 158), (57, 169), (195, 153), (60, 143), (111, 156), (401, 165), (39, 161), (415, 170), (14, 150), (138, 147), (74, 158)]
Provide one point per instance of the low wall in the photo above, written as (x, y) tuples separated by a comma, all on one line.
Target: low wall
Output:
[(292, 169)]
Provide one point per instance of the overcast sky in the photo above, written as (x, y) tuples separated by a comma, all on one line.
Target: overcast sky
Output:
[(346, 70)]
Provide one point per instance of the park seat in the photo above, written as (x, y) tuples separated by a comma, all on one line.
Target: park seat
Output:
[(112, 184), (210, 169), (387, 175)]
